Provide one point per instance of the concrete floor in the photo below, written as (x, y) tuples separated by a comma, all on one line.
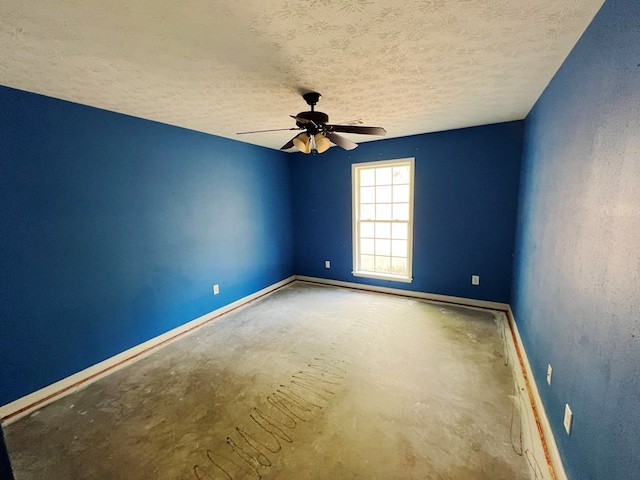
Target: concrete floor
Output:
[(311, 382)]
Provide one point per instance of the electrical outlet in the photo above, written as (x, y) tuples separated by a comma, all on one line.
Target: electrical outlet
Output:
[(216, 289), (327, 264), (549, 372), (475, 279), (568, 418)]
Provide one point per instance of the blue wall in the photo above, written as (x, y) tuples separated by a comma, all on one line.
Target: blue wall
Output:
[(113, 230), (466, 201), (577, 281)]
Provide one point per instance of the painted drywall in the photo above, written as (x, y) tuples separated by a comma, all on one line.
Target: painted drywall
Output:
[(113, 230), (466, 198), (577, 279)]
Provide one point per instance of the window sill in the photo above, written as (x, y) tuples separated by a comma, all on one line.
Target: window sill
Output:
[(382, 276)]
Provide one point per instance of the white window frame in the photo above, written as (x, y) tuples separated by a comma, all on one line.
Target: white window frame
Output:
[(355, 183)]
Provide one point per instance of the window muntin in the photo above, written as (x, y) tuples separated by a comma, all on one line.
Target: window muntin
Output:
[(383, 219)]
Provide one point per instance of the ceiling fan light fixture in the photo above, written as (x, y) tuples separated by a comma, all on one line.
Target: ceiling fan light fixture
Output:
[(318, 133), (322, 143), (303, 143)]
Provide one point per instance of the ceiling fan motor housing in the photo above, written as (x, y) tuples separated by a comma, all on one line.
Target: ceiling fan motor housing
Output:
[(318, 118)]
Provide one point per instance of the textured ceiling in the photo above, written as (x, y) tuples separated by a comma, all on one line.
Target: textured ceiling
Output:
[(227, 66)]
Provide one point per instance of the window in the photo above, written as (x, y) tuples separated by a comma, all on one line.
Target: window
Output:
[(383, 219)]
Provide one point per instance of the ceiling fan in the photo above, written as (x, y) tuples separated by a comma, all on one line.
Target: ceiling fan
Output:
[(318, 134)]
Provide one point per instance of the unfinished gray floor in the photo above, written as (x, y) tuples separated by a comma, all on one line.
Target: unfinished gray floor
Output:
[(311, 382)]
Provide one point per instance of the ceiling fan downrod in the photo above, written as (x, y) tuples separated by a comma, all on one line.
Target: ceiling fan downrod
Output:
[(312, 99)]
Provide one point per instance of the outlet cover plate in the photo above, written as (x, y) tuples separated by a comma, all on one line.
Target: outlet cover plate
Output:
[(475, 279), (216, 289), (327, 264), (549, 373), (568, 418)]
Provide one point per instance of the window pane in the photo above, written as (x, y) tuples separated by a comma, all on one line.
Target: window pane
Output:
[(383, 194), (367, 212), (401, 211), (367, 246), (383, 211), (399, 265), (367, 229), (401, 174), (383, 230), (383, 176), (383, 264), (399, 231), (367, 177), (383, 247), (381, 217), (399, 248), (367, 262), (368, 195), (400, 193)]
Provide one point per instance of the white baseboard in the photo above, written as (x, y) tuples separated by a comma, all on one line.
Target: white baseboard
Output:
[(25, 405), (537, 412), (408, 293)]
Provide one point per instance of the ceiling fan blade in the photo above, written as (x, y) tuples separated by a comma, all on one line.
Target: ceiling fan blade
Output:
[(341, 141), (357, 129), (272, 130)]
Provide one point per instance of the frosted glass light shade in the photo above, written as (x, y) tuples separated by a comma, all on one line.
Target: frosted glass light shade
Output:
[(303, 143), (322, 143)]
